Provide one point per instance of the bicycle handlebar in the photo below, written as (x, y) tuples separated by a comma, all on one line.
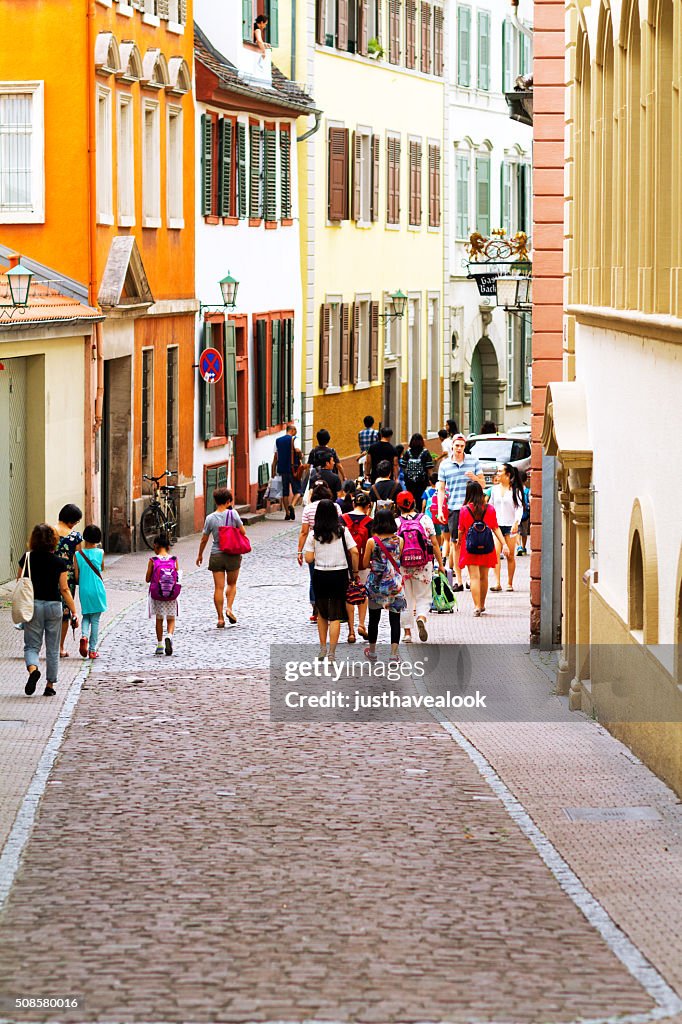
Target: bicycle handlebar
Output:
[(167, 472)]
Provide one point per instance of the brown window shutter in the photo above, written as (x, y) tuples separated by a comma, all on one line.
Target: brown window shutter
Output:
[(374, 341), (394, 31), (390, 174), (397, 181), (345, 344), (417, 183), (412, 183), (338, 174), (357, 160), (363, 19), (342, 24), (426, 38), (438, 41), (325, 331), (355, 348), (434, 186), (410, 32), (375, 177), (320, 12)]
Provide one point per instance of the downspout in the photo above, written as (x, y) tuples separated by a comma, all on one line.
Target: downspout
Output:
[(292, 69), (528, 32), (97, 353), (311, 131)]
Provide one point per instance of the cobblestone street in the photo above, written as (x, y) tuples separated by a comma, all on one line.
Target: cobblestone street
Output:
[(191, 861)]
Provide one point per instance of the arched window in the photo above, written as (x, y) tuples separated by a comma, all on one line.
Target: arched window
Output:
[(636, 584)]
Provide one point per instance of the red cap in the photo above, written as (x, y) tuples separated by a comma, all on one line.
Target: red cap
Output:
[(405, 500)]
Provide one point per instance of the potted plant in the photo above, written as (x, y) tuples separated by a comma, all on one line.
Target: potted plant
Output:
[(375, 49)]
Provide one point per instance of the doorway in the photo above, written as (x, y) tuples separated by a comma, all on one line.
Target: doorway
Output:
[(116, 455), (13, 501), (484, 401), (390, 416)]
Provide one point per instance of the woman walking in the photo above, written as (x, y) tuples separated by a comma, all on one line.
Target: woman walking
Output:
[(225, 567), (384, 582), (420, 547), (479, 562), (506, 497), (320, 491), (416, 463), (50, 589), (68, 543), (360, 526), (329, 547)]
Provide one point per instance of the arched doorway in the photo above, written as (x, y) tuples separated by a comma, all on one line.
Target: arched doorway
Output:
[(484, 400)]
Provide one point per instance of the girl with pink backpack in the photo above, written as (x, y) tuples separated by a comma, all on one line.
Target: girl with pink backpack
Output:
[(420, 547), (163, 578)]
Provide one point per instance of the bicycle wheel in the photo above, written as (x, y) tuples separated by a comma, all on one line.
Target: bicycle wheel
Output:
[(171, 525), (151, 524)]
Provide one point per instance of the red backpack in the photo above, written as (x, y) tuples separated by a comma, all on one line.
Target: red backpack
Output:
[(359, 531)]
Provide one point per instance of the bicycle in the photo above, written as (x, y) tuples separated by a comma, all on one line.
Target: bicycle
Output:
[(161, 514)]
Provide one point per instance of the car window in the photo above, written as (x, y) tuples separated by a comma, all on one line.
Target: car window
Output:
[(520, 450), (497, 449)]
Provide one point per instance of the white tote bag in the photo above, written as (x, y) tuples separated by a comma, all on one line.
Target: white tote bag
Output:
[(22, 598)]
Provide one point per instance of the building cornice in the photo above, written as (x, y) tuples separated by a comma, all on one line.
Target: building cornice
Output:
[(656, 326)]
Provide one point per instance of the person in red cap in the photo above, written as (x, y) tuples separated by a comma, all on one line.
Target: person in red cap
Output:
[(420, 547)]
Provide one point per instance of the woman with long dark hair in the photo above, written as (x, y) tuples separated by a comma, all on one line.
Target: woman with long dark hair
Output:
[(506, 497), (416, 463), (384, 584), (475, 510), (319, 491), (49, 575), (332, 548)]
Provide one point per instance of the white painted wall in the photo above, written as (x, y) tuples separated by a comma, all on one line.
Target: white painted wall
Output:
[(478, 117), (267, 266), (633, 389)]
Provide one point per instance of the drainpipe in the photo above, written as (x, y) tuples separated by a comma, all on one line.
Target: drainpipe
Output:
[(292, 69), (528, 32), (92, 428), (311, 131)]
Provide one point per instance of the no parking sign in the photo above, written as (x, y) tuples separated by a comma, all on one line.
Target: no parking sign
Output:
[(211, 365)]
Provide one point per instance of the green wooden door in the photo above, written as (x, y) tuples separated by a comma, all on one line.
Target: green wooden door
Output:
[(476, 400)]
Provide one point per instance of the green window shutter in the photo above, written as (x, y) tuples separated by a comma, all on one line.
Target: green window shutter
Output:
[(285, 164), (206, 392), (211, 485), (483, 50), (464, 46), (206, 165), (255, 172), (225, 178), (525, 59), (241, 171), (462, 196), (506, 196), (288, 369), (276, 382), (262, 374), (270, 174), (230, 378), (273, 22), (483, 195), (221, 475), (247, 20), (508, 70)]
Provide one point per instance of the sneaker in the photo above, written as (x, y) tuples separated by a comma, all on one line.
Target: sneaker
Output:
[(83, 647), (93, 655), (313, 618), (49, 691), (159, 649), (31, 682), (169, 646), (520, 551)]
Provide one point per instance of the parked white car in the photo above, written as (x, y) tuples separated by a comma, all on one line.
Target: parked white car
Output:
[(493, 449)]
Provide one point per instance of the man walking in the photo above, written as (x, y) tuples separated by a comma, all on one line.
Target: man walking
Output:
[(368, 436), (453, 476), (381, 451), (283, 465), (323, 447)]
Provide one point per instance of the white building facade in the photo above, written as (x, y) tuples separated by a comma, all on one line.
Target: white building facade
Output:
[(489, 189), (247, 227)]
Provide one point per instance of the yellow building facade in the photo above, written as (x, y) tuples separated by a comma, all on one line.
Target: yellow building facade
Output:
[(371, 214), (615, 421)]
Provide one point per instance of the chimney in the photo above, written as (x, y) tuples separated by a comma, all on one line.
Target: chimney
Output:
[(14, 259)]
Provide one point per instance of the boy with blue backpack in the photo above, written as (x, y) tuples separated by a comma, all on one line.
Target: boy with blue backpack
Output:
[(163, 578)]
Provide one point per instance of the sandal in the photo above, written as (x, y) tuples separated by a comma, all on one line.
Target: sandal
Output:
[(232, 617), (510, 589), (363, 632), (495, 590), (370, 655), (352, 638), (63, 654), (220, 624)]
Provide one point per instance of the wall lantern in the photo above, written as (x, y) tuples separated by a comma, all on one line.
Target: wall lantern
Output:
[(228, 287), (19, 280), (514, 292), (396, 310)]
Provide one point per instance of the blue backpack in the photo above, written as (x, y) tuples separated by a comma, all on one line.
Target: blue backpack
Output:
[(480, 540)]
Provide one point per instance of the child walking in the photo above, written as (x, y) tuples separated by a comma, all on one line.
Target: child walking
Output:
[(88, 565), (164, 586)]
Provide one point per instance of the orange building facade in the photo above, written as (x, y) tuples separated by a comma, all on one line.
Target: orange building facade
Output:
[(108, 200)]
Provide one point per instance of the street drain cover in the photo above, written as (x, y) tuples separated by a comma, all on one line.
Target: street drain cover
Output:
[(612, 813)]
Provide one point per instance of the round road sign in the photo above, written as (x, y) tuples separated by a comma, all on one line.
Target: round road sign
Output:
[(211, 365)]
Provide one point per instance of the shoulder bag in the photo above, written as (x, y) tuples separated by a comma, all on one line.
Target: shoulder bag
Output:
[(93, 567), (356, 593), (22, 597), (230, 538)]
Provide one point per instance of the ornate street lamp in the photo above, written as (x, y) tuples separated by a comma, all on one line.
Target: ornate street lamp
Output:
[(396, 309), (19, 280), (228, 287), (514, 291)]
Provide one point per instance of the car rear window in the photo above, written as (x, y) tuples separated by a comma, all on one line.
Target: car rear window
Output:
[(520, 450), (496, 449)]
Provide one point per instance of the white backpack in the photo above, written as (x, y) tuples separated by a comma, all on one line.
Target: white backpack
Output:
[(22, 598)]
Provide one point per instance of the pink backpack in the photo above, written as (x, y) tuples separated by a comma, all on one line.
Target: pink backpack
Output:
[(165, 583), (415, 552)]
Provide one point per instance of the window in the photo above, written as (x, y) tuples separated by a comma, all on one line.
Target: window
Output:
[(464, 46), (433, 367), (483, 50), (365, 176), (104, 158), (516, 55), (334, 343), (519, 358), (462, 171), (172, 409), (393, 179), (506, 196), (337, 199), (274, 334), (394, 31), (434, 186), (174, 12), (151, 166), (255, 171), (515, 196), (270, 173), (147, 411), (219, 401), (438, 41), (125, 162), (426, 43), (511, 358), (415, 217), (22, 175), (250, 11), (483, 195), (636, 585), (360, 368), (285, 173), (411, 33), (174, 172)]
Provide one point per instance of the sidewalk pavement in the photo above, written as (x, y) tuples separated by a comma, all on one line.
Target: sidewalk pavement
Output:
[(225, 854)]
